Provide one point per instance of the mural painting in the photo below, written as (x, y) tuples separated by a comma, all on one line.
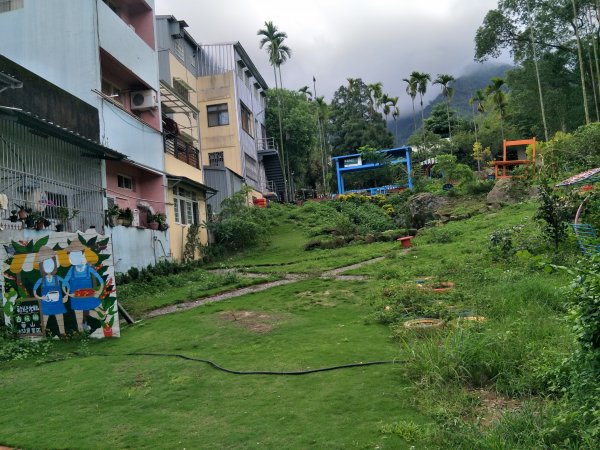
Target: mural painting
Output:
[(60, 285)]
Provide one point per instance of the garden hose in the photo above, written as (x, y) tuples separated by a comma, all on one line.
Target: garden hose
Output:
[(240, 372)]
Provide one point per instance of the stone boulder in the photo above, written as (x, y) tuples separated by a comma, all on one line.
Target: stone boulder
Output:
[(507, 191), (424, 207)]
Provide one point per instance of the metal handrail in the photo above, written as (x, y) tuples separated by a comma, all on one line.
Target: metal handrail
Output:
[(266, 144), (182, 150)]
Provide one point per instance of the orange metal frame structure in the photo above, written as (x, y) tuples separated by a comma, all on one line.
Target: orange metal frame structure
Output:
[(515, 162)]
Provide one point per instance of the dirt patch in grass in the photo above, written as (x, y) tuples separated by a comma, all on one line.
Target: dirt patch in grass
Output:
[(493, 406), (255, 321)]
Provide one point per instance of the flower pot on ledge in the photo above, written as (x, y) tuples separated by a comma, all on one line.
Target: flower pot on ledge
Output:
[(153, 225)]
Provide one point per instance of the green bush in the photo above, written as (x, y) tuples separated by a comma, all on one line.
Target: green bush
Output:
[(12, 348), (240, 225), (578, 376)]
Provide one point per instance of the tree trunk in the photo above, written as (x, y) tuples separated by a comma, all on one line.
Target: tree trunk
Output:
[(280, 79), (537, 72), (581, 68), (414, 116), (448, 115), (593, 85)]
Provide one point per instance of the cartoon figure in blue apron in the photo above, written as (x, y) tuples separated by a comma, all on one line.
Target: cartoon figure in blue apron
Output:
[(81, 279), (52, 287)]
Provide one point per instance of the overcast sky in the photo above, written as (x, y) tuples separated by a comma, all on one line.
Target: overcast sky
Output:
[(376, 40)]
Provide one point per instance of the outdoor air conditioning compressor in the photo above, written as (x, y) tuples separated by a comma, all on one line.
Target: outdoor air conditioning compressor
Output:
[(143, 100)]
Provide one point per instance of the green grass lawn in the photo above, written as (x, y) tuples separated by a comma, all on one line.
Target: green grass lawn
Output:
[(285, 254), (143, 402), (425, 401)]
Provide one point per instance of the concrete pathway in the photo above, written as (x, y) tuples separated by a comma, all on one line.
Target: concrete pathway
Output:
[(335, 274)]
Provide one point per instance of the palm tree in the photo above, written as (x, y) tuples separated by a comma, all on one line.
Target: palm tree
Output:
[(477, 102), (495, 91), (375, 95), (388, 103), (283, 54), (322, 116), (304, 90), (421, 79), (444, 81), (411, 90), (272, 38), (278, 53)]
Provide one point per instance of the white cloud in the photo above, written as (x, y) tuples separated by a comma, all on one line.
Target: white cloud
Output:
[(377, 40)]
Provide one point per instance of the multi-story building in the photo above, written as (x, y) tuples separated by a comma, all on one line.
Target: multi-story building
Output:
[(228, 92), (104, 53), (186, 192), (51, 162)]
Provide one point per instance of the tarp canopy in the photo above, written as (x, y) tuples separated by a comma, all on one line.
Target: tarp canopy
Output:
[(587, 177)]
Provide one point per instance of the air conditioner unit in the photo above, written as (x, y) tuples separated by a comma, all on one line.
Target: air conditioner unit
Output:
[(143, 100)]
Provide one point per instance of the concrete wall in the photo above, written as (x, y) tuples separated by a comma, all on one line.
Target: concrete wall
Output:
[(134, 247), (127, 135), (57, 41), (213, 90), (149, 187)]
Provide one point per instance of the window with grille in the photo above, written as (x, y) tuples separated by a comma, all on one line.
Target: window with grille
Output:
[(10, 5), (218, 115), (186, 206), (181, 89), (215, 159), (246, 119)]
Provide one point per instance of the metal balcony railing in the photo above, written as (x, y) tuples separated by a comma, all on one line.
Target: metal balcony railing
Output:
[(266, 145), (182, 150)]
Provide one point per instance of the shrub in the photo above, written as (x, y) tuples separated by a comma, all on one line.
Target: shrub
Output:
[(240, 225), (555, 214)]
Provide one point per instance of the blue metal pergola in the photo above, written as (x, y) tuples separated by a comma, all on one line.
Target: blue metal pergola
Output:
[(354, 163)]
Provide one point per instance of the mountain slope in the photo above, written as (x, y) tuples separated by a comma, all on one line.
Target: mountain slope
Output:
[(476, 77)]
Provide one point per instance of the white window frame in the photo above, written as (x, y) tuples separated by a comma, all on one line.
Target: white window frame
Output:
[(183, 202), (121, 180)]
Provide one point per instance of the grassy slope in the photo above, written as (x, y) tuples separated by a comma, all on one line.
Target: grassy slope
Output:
[(285, 253), (142, 402), (139, 402)]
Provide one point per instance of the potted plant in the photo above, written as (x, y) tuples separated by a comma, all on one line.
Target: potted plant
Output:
[(37, 221), (125, 217), (156, 221), (64, 215), (153, 221), (113, 214), (13, 216), (162, 221), (23, 211)]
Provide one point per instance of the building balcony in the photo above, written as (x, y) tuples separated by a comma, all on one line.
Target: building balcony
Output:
[(120, 40), (267, 146), (182, 150)]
